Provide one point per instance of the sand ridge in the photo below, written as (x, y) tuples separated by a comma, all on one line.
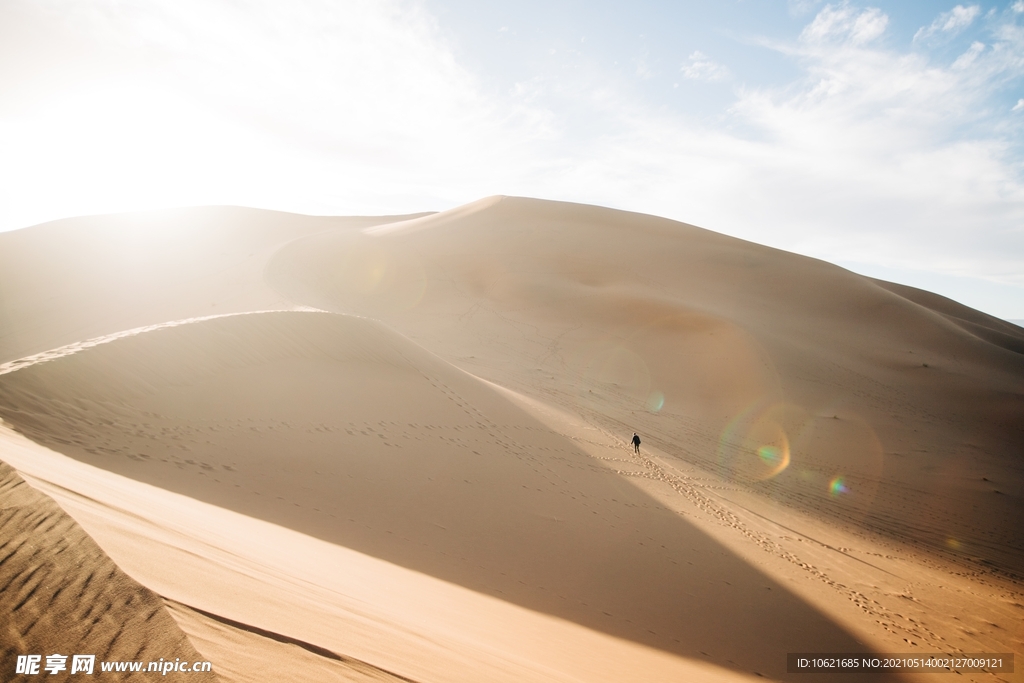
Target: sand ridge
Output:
[(77, 347), (60, 593)]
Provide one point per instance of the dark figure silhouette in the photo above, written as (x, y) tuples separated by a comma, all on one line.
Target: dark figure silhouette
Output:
[(636, 442)]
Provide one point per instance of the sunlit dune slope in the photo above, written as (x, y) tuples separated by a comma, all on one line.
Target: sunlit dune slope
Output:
[(73, 279), (60, 593), (340, 428), (860, 400)]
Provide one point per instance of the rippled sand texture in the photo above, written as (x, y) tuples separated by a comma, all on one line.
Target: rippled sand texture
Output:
[(60, 593)]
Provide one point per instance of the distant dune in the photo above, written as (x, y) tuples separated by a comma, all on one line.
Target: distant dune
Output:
[(829, 463)]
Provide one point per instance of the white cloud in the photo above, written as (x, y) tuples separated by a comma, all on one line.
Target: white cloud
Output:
[(1018, 106), (968, 58), (703, 68), (844, 24), (951, 22)]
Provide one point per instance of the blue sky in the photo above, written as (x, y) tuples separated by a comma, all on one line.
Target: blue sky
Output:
[(885, 137)]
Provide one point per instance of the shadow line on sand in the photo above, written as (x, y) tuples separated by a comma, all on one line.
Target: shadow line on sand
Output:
[(339, 428)]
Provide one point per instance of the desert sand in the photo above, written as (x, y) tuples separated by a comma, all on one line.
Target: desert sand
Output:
[(397, 448)]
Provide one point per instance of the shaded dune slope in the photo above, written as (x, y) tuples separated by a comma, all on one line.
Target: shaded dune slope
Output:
[(340, 428), (60, 593), (984, 326), (884, 405)]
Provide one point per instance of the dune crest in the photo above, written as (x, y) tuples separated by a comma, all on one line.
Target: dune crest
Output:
[(428, 221)]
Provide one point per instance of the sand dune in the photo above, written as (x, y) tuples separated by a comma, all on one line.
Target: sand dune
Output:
[(60, 593), (336, 427), (263, 601), (689, 335), (829, 462)]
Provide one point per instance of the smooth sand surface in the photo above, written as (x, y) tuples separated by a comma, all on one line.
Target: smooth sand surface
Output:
[(396, 448)]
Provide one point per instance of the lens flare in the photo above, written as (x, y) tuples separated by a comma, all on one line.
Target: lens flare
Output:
[(837, 487), (770, 455), (656, 401), (846, 456), (756, 445)]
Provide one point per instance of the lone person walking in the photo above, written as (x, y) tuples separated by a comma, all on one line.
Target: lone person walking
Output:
[(636, 443)]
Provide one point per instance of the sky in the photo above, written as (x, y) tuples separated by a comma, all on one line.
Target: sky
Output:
[(885, 137)]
